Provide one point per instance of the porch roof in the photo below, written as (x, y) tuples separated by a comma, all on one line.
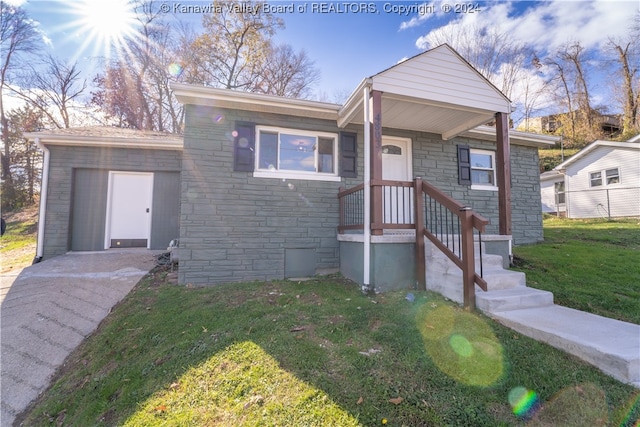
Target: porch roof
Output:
[(436, 91)]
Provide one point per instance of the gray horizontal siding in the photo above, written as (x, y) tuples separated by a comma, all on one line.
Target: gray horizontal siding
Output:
[(64, 160)]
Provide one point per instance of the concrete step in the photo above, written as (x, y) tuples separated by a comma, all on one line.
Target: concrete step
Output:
[(512, 299), (611, 345)]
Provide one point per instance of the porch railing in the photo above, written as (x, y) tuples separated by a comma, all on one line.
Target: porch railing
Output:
[(447, 223)]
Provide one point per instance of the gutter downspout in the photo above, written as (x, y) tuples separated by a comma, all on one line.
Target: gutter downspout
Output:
[(367, 190), (44, 185)]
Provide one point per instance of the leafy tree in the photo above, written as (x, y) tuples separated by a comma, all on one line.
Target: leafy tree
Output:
[(25, 158), (232, 51)]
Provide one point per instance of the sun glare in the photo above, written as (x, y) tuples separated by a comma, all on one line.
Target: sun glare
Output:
[(105, 25)]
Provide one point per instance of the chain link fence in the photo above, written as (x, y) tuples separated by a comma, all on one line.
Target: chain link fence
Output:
[(601, 203)]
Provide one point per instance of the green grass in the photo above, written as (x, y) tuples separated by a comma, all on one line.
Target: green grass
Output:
[(317, 353), (590, 265), (18, 244)]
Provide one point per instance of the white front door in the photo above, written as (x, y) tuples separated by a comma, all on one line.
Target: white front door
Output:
[(129, 209), (397, 166)]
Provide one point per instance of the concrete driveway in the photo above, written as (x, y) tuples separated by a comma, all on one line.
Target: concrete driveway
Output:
[(49, 308)]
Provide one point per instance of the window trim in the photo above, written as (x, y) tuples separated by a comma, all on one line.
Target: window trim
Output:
[(293, 174), (484, 187)]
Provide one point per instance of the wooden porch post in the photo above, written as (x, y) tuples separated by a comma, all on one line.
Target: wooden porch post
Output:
[(376, 164), (503, 170)]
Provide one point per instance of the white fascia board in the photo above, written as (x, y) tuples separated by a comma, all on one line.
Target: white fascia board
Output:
[(226, 98), (147, 143), (515, 137), (349, 111), (593, 146)]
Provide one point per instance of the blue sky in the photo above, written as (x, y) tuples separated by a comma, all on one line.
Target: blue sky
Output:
[(347, 45)]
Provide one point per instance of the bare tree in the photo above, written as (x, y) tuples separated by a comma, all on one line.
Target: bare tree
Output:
[(18, 36), (569, 81), (287, 73), (495, 54), (53, 89), (135, 91), (626, 57)]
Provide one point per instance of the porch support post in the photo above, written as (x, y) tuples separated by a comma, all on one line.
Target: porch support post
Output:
[(366, 268), (503, 170), (376, 164), (419, 220)]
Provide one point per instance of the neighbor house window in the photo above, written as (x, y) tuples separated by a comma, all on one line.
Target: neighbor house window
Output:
[(612, 176), (559, 190), (290, 153), (605, 177), (483, 169)]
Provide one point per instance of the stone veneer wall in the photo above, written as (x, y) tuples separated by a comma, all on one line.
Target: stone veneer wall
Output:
[(235, 227)]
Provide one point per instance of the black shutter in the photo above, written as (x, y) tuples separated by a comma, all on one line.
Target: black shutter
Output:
[(348, 155), (244, 144), (464, 165)]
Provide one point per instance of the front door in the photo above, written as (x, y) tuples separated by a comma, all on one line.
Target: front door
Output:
[(129, 209), (396, 166)]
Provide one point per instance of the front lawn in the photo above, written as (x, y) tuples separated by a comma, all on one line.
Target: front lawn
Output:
[(318, 353), (591, 265)]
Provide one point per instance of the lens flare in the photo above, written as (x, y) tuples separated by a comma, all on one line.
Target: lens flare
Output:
[(522, 401), (461, 344), (175, 70)]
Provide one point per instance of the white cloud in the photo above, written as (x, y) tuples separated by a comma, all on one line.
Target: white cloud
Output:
[(548, 25)]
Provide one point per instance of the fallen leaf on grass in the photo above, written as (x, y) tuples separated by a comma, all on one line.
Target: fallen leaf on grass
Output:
[(360, 400), (396, 401), (297, 329), (161, 408)]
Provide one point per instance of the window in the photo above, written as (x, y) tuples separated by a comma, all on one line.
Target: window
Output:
[(483, 169), (611, 176), (288, 153), (559, 190), (595, 179)]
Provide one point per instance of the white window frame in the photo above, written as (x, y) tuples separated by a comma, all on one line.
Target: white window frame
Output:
[(485, 187), (292, 174), (604, 178)]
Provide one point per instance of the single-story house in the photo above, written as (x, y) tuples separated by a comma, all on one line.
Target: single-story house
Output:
[(268, 187), (601, 180)]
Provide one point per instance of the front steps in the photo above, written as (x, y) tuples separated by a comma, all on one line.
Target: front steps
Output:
[(507, 289), (611, 345)]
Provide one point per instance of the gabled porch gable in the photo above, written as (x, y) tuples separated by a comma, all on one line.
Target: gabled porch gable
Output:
[(437, 92)]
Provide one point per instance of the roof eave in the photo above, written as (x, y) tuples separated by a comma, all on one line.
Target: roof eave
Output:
[(247, 101), (515, 137), (146, 143)]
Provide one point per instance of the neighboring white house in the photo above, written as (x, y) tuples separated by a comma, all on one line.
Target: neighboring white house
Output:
[(601, 180), (552, 192)]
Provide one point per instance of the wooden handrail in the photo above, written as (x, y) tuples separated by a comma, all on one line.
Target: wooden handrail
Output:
[(469, 220)]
